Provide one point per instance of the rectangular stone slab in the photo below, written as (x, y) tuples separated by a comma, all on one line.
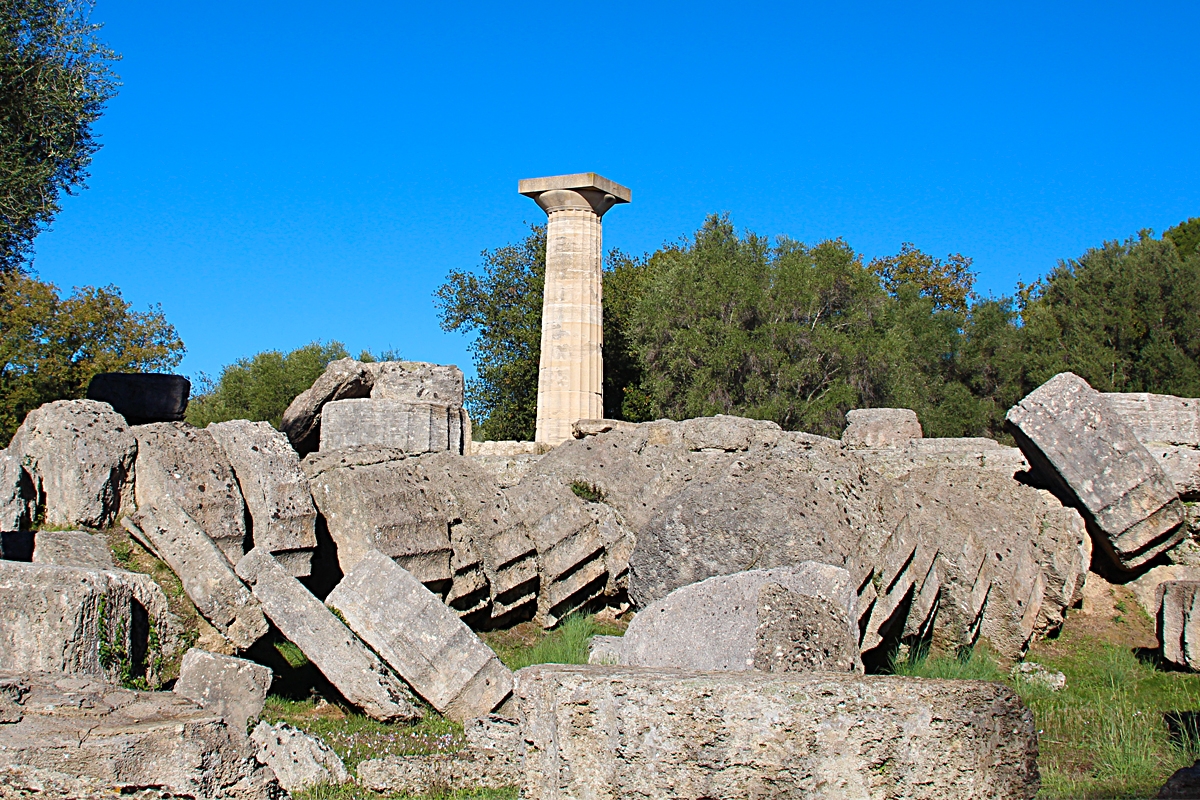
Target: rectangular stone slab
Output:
[(1179, 622), (407, 426), (354, 670), (1068, 431), (595, 731), (421, 638)]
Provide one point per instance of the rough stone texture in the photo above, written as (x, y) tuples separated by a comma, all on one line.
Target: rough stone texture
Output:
[(18, 497), (203, 570), (277, 495), (1179, 623), (80, 457), (72, 549), (1072, 436), (80, 733), (624, 732), (975, 452), (142, 397), (297, 759), (507, 471), (417, 382), (605, 649), (184, 466), (354, 670), (411, 427), (509, 449), (781, 620), (1169, 427), (1184, 784), (234, 688), (420, 638), (341, 380), (81, 621), (1145, 586), (881, 427)]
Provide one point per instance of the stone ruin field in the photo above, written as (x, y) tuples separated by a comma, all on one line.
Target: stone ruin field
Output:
[(164, 588)]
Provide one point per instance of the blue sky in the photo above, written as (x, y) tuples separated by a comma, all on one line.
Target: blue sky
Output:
[(276, 173)]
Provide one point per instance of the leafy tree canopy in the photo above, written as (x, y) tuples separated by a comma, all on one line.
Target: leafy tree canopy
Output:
[(51, 347), (55, 77), (260, 388)]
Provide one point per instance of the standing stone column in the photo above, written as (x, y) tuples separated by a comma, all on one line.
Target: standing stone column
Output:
[(571, 370)]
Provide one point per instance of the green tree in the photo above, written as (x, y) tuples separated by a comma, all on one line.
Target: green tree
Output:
[(1186, 237), (260, 388), (50, 348), (946, 284), (55, 77)]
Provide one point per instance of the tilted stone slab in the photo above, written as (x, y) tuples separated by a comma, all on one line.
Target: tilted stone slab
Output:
[(276, 491), (786, 619), (142, 397), (881, 427), (412, 427), (234, 688), (206, 575), (417, 382), (354, 670), (113, 741), (72, 549), (342, 379), (1179, 623), (592, 731), (182, 465), (1069, 432), (80, 456), (421, 638)]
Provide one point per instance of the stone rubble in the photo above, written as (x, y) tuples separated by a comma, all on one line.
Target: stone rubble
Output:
[(342, 379), (298, 759), (233, 688)]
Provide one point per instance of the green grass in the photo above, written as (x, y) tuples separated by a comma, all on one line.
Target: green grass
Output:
[(565, 644), (1103, 736), (350, 791)]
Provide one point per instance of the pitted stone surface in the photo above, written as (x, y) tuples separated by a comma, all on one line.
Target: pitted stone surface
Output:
[(72, 549), (275, 490), (420, 638), (297, 758), (342, 379), (1169, 427), (80, 456), (412, 427), (870, 428), (234, 688), (417, 382), (1071, 435), (18, 498), (353, 669)]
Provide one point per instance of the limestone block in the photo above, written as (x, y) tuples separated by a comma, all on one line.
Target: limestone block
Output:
[(400, 424), (234, 688), (626, 732), (80, 456), (184, 466), (1146, 586), (417, 382), (18, 498), (81, 621), (420, 638), (342, 379), (880, 427), (507, 471), (142, 397), (1179, 623), (491, 760), (276, 491), (975, 452), (1158, 418), (72, 549), (605, 649), (510, 448), (298, 759), (205, 573), (354, 670), (96, 739), (786, 619), (1071, 435)]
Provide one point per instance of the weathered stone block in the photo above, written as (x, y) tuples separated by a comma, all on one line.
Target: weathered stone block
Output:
[(417, 382), (234, 688), (18, 497), (142, 397), (72, 549), (276, 491), (407, 426), (354, 670), (204, 571), (181, 465), (786, 619), (974, 452), (420, 638), (881, 427), (1169, 427), (1179, 623), (298, 759), (80, 456), (342, 379), (1071, 435)]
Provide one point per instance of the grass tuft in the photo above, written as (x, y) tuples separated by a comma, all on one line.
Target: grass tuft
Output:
[(350, 791), (528, 644)]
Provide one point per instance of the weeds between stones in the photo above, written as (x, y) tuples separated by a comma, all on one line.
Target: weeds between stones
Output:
[(528, 643)]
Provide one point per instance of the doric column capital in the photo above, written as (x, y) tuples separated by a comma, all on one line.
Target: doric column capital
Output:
[(585, 191)]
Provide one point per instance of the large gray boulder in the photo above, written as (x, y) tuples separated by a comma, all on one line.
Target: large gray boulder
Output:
[(420, 638), (83, 622), (80, 456), (871, 428), (325, 640), (183, 466), (1179, 623), (277, 495), (588, 731), (234, 688), (298, 759), (18, 497), (342, 379), (788, 619), (72, 549), (1169, 427), (418, 382), (114, 741), (412, 427), (206, 575), (1073, 437)]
